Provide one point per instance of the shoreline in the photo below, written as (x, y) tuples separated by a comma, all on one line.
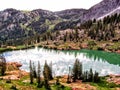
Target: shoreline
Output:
[(64, 49), (12, 48)]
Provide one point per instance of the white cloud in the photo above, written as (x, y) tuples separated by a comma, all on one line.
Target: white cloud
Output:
[(53, 5)]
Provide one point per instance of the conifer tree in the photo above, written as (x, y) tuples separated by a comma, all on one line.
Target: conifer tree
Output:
[(39, 76), (77, 70), (31, 73), (47, 75), (96, 77), (2, 65), (90, 76), (34, 71), (69, 77)]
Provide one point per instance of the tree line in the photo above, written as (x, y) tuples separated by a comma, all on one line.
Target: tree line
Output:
[(99, 30), (47, 73), (76, 73)]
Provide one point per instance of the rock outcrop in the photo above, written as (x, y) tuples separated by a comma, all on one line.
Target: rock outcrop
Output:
[(13, 72)]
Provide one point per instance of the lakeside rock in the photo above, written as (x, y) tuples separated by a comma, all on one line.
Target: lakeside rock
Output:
[(114, 79), (15, 75), (13, 71), (11, 66), (118, 51)]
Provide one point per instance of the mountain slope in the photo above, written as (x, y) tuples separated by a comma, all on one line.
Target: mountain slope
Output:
[(16, 25), (101, 9), (70, 13)]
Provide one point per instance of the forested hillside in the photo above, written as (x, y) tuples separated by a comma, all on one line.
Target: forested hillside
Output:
[(26, 27)]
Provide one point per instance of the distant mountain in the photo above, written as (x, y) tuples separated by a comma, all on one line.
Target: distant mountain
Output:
[(102, 9), (15, 24), (71, 13)]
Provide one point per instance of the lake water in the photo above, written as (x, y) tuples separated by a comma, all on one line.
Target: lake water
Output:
[(102, 62)]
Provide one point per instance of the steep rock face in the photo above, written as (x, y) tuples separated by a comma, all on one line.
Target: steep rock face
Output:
[(101, 9), (105, 7)]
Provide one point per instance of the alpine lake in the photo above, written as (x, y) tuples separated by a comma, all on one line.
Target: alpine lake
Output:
[(103, 62)]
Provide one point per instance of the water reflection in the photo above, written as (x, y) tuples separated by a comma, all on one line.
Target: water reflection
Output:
[(102, 62)]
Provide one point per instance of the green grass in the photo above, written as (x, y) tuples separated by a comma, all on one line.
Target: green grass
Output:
[(5, 49), (17, 48), (20, 85), (104, 85), (115, 46), (60, 87)]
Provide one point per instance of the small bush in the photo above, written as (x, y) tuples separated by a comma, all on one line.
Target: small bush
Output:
[(13, 87), (1, 78), (8, 80), (112, 85)]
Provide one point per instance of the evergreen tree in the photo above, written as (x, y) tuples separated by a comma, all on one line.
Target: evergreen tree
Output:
[(68, 78), (85, 76), (39, 76), (96, 77), (2, 65), (76, 35), (46, 84), (31, 73), (90, 76), (34, 71), (47, 75), (57, 81), (50, 66), (77, 70), (47, 72)]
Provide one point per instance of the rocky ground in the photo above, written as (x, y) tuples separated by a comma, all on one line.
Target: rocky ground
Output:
[(114, 79), (13, 72), (60, 45)]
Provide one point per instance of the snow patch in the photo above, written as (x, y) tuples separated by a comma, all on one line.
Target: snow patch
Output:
[(110, 13)]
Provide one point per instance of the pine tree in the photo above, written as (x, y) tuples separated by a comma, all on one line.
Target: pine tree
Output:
[(39, 76), (76, 35), (2, 65), (57, 81), (77, 70), (90, 76), (34, 71), (46, 84), (31, 73), (68, 78), (47, 75), (50, 66), (96, 77)]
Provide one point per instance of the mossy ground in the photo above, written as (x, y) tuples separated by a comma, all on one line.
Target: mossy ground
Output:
[(24, 84)]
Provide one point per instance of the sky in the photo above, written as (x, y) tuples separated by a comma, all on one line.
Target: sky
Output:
[(52, 5)]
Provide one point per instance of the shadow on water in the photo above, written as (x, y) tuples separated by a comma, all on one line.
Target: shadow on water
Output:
[(112, 58)]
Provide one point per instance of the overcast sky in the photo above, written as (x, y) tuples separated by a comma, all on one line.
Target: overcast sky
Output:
[(52, 5)]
